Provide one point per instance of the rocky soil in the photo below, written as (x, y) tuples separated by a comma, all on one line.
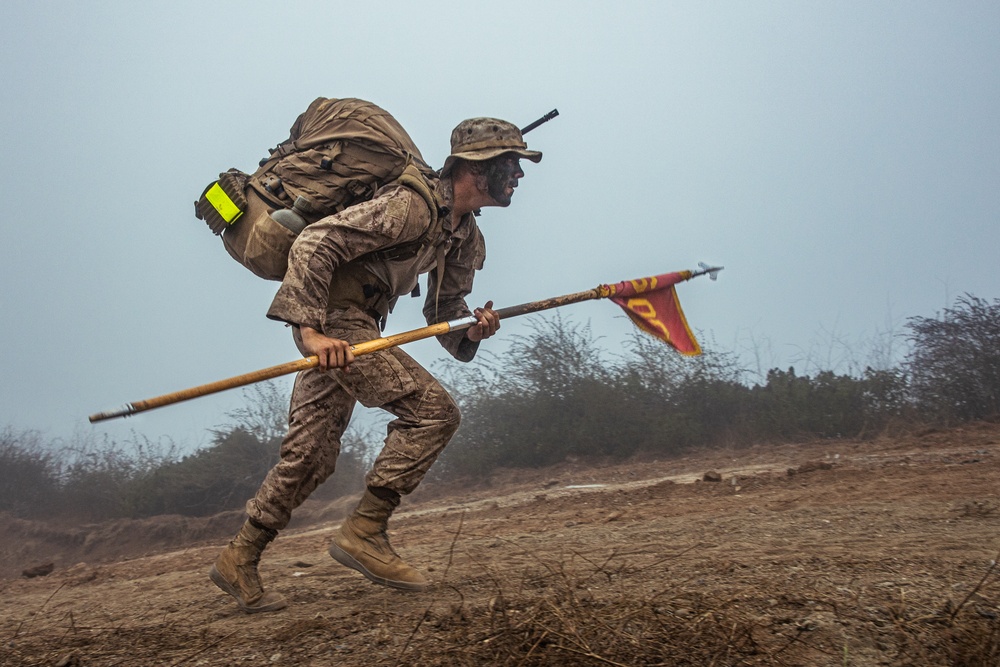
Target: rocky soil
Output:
[(822, 553)]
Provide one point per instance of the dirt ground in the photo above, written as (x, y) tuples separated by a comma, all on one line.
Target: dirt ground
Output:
[(827, 553)]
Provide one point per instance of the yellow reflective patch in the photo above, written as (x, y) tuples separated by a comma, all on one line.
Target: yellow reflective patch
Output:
[(219, 200)]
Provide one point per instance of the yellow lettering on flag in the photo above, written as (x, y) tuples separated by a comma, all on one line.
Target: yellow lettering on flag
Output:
[(658, 311), (644, 309), (644, 284)]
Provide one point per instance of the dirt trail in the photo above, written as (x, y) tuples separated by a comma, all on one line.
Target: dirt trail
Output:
[(870, 553)]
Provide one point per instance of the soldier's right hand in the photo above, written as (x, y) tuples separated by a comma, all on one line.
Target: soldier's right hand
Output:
[(332, 352)]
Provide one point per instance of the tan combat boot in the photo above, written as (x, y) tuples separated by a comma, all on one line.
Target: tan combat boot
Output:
[(361, 543), (235, 570)]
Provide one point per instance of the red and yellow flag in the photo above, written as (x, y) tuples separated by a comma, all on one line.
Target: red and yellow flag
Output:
[(653, 305)]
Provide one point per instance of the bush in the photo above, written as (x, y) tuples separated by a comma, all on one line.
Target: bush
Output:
[(954, 366), (98, 479), (553, 394), (29, 475), (212, 480), (667, 403), (545, 398), (791, 406)]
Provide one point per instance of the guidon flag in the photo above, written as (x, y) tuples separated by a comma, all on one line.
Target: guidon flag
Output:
[(652, 304)]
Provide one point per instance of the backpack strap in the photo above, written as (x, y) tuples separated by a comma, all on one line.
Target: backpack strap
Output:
[(354, 285), (416, 181), (411, 177)]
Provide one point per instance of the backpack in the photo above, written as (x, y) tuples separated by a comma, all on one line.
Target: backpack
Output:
[(339, 152)]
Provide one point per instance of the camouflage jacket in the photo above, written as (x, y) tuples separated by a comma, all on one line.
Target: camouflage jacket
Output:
[(397, 215)]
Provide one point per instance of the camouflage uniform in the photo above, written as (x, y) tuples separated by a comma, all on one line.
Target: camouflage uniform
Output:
[(322, 401), (344, 274)]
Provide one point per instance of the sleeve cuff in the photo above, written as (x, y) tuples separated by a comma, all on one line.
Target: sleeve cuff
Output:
[(458, 345)]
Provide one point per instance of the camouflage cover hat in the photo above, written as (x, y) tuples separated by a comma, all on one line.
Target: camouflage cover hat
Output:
[(485, 138)]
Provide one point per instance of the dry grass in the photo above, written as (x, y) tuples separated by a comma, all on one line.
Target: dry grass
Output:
[(881, 560), (577, 612)]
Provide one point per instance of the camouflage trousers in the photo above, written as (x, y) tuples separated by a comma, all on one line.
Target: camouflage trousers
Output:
[(321, 407)]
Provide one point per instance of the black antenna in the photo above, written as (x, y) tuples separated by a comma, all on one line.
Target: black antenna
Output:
[(544, 119)]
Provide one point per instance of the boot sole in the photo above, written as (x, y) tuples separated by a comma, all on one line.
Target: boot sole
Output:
[(221, 582), (348, 560)]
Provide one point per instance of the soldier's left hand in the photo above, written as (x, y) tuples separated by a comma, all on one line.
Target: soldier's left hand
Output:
[(489, 322)]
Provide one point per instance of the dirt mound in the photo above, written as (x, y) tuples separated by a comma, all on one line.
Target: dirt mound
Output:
[(871, 553), (30, 544)]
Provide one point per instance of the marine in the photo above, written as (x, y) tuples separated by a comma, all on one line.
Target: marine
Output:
[(345, 273)]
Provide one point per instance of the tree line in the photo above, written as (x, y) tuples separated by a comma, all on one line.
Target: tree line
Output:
[(554, 393)]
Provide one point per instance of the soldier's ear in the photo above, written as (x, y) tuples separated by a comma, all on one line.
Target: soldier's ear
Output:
[(482, 182), (474, 171)]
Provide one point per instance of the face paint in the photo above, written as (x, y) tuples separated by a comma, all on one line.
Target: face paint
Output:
[(501, 175)]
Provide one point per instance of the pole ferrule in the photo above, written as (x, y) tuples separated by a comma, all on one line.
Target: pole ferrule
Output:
[(126, 410)]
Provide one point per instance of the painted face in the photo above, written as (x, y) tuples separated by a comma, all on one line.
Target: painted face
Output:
[(502, 173)]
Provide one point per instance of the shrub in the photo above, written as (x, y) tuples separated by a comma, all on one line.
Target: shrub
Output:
[(212, 480), (29, 474), (954, 365), (98, 479), (553, 394)]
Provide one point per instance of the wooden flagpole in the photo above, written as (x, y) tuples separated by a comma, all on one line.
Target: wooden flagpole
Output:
[(367, 347), (361, 348)]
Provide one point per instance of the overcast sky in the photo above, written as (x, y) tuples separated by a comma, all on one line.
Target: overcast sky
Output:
[(841, 159)]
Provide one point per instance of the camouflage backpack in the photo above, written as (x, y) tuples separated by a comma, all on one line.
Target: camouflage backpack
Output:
[(339, 152)]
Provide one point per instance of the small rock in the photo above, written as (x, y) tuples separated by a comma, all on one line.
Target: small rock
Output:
[(549, 484), (614, 516), (808, 624), (712, 476)]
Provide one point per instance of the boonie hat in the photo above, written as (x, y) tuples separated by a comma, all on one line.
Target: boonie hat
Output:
[(485, 138)]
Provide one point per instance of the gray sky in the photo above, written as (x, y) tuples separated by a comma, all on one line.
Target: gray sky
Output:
[(841, 159)]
